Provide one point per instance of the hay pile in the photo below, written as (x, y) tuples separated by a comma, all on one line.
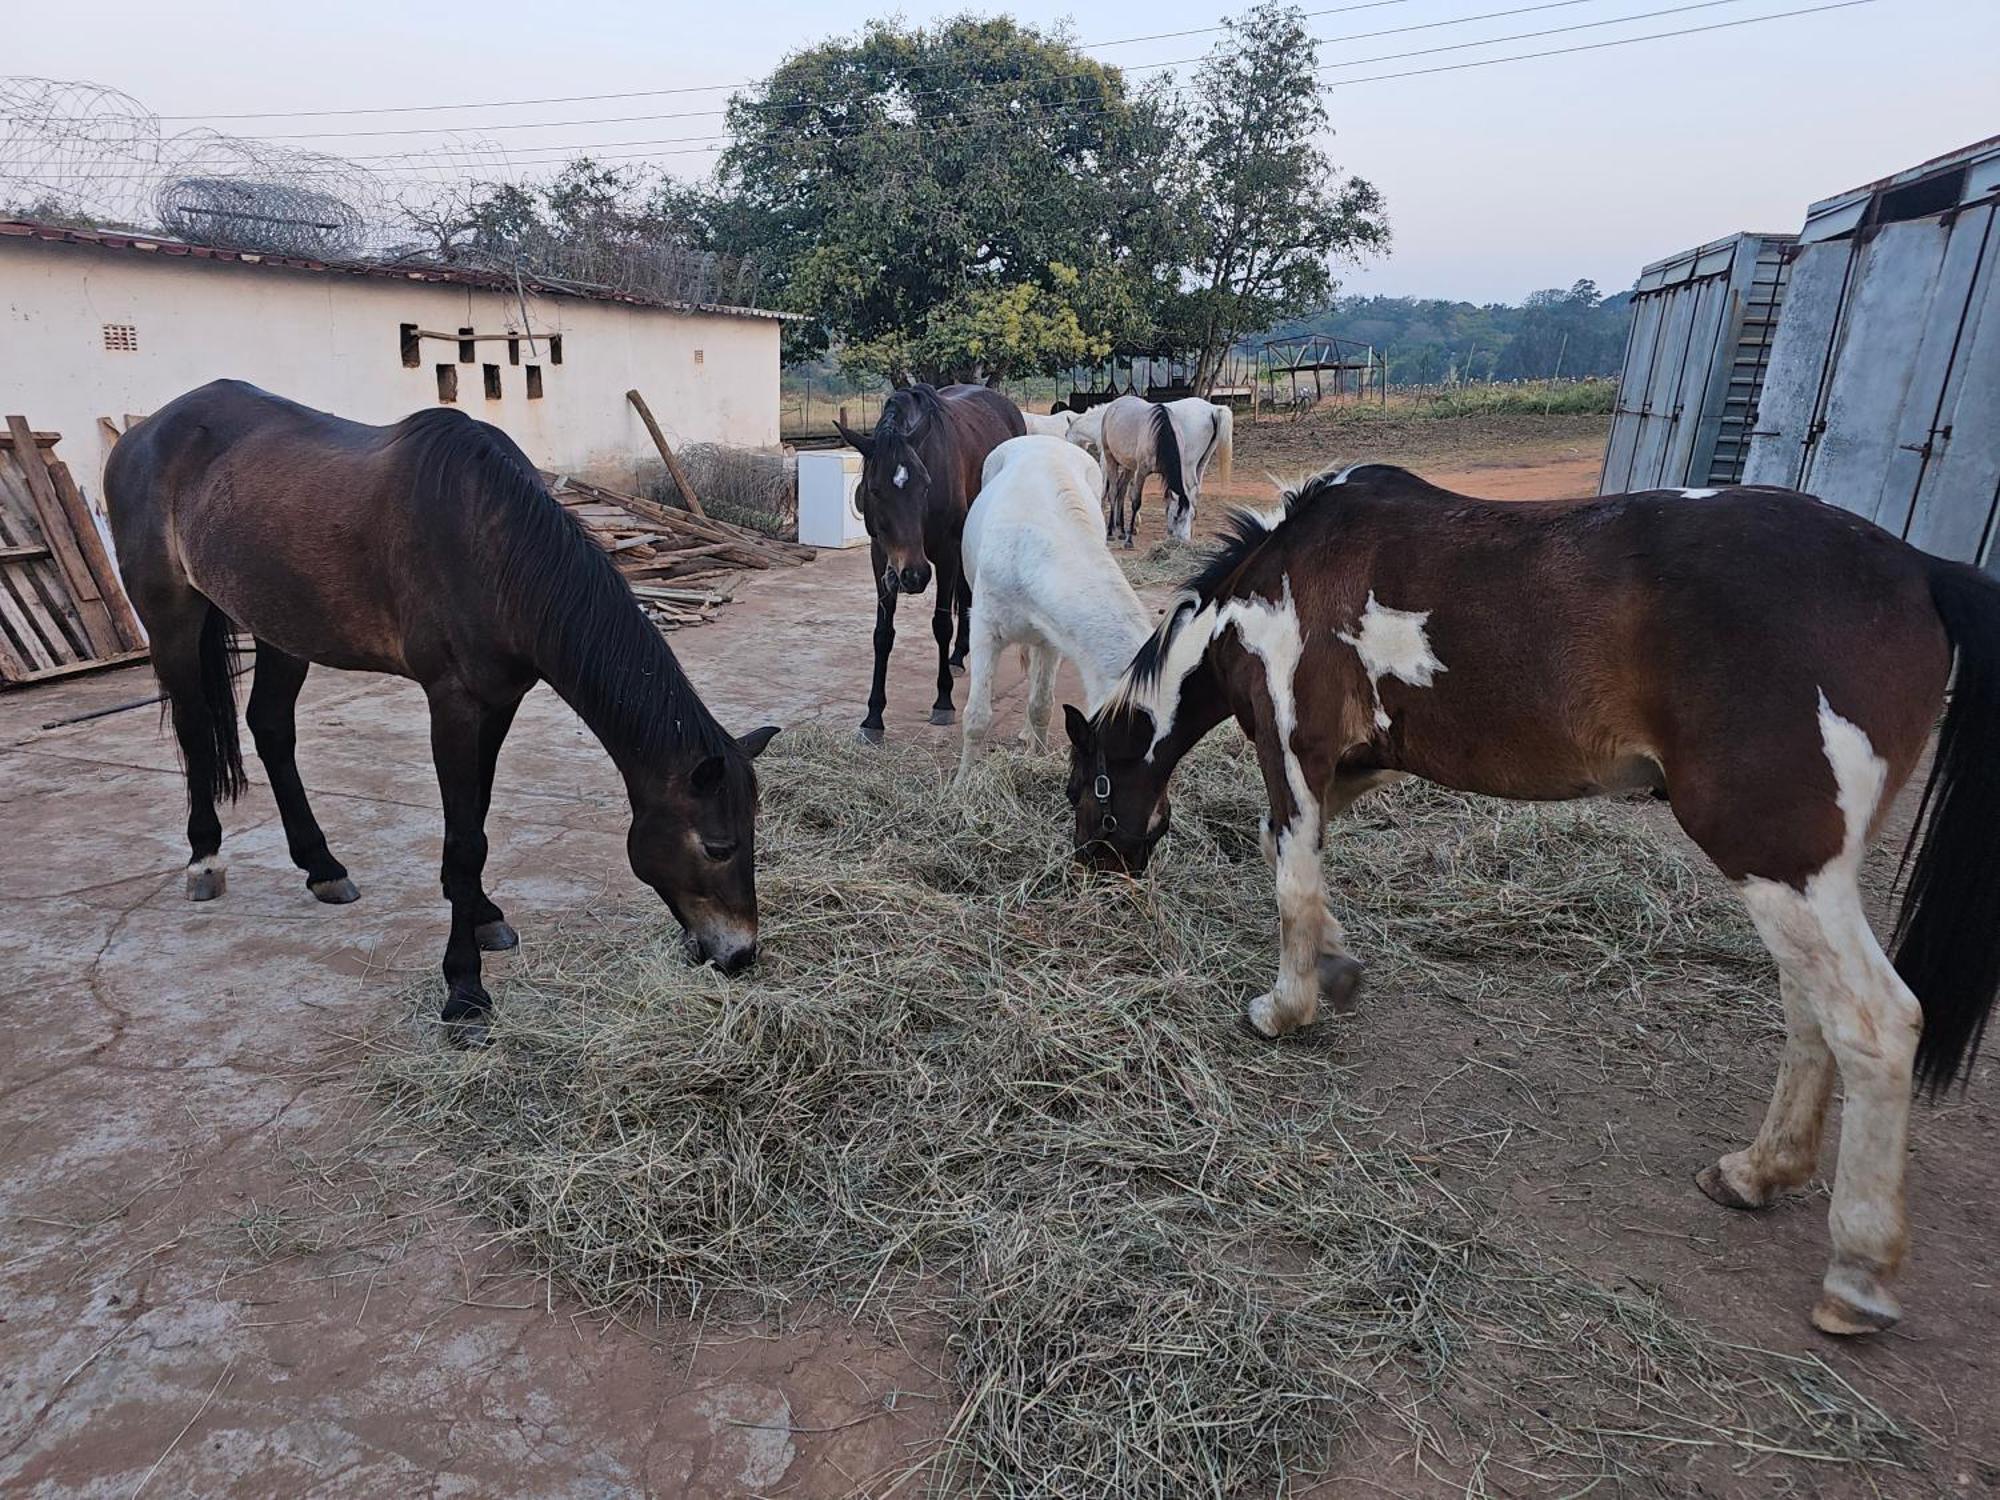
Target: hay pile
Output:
[(973, 1095)]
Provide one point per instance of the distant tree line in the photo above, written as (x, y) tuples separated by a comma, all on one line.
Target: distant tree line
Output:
[(1428, 341), (978, 200)]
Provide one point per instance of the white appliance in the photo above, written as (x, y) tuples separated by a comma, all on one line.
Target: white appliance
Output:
[(829, 499)]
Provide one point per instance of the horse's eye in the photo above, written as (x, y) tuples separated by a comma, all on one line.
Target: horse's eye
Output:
[(718, 852)]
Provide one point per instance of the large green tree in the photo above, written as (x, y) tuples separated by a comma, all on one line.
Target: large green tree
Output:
[(962, 202), (1270, 214)]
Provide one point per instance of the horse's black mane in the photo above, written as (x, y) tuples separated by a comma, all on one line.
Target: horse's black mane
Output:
[(591, 641), (1244, 531)]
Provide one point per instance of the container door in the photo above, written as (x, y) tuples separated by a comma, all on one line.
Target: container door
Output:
[(1877, 377), (1663, 388), (1634, 391), (1959, 487), (1709, 315), (1788, 406)]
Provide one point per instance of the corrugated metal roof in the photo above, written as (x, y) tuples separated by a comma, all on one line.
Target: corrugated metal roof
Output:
[(152, 244)]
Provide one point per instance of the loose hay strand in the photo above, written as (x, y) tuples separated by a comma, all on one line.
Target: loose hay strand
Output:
[(970, 1091)]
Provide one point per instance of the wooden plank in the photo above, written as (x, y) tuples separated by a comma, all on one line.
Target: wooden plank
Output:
[(71, 669), (22, 554), (11, 439), (27, 639), (674, 468), (110, 587), (56, 533)]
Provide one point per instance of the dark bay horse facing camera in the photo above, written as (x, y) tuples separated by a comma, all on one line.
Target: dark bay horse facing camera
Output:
[(429, 549), (919, 474), (1772, 665)]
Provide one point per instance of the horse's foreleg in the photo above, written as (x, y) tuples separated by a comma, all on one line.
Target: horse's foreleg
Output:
[(941, 629), (1137, 484), (885, 641), (492, 932), (458, 732), (1869, 1021), (1312, 957), (272, 714)]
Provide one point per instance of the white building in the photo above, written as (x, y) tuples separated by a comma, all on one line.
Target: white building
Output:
[(97, 325)]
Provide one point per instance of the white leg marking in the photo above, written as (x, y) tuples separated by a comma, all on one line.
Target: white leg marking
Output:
[(1870, 1020), (207, 865), (1392, 643)]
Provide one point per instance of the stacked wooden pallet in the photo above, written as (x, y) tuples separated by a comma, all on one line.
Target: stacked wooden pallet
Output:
[(62, 607), (672, 558)]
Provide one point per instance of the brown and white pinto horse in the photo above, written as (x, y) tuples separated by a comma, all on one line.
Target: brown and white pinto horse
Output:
[(431, 550), (919, 474), (1772, 665)]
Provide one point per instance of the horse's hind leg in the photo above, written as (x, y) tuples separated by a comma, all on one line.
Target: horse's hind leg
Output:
[(189, 640), (272, 714), (941, 630), (1042, 663), (1786, 1150), (986, 648), (964, 641)]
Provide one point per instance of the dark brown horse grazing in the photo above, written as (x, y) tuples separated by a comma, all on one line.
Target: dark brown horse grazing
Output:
[(920, 472), (1772, 665), (431, 550)]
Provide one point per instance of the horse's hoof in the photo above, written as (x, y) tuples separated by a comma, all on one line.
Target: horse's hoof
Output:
[(495, 936), (1260, 1017), (957, 668), (1716, 1186), (1836, 1315), (1129, 544), (335, 892), (1340, 983), (869, 734), (206, 883), (473, 1034), (943, 716)]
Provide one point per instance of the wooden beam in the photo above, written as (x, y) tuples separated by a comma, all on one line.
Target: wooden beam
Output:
[(72, 668), (673, 464), (110, 587), (12, 439), (22, 554), (62, 543)]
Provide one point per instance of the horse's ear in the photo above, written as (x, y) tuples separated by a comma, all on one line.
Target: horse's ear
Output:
[(706, 779), (1078, 726), (752, 744), (865, 446)]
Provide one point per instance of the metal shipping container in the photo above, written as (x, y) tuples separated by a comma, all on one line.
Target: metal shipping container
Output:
[(1885, 377), (1695, 356)]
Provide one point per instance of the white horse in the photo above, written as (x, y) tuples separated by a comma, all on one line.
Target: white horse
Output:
[(1042, 579), (1056, 424), (1176, 440)]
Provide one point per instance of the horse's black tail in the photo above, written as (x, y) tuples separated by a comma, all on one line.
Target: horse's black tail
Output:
[(1947, 938), (1167, 454), (214, 753)]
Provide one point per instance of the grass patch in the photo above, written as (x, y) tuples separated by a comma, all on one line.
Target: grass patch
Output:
[(972, 1094)]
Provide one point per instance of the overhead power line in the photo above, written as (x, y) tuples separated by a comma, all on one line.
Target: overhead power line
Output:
[(991, 85), (693, 88)]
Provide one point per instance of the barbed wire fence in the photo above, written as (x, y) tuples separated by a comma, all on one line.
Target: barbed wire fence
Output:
[(85, 154)]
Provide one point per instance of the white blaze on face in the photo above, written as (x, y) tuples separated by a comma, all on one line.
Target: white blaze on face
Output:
[(1392, 643), (902, 476)]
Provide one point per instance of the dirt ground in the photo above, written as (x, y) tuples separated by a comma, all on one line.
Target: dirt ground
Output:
[(171, 1323)]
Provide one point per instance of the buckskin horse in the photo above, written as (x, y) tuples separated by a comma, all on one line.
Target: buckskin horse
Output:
[(919, 474), (1771, 665), (431, 550)]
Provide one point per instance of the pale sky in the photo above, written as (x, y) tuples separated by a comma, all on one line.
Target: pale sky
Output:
[(1499, 179)]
